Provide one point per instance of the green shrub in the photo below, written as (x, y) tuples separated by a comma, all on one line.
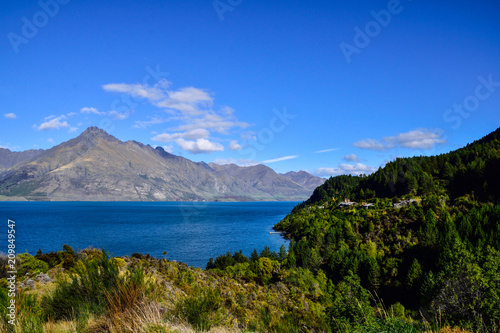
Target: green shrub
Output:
[(31, 265), (201, 309)]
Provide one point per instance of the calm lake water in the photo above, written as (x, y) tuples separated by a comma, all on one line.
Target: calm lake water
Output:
[(190, 232)]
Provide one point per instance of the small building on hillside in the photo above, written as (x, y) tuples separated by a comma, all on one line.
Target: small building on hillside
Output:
[(403, 203), (367, 205), (347, 203)]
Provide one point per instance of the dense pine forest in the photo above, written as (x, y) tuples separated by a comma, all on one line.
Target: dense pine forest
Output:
[(413, 247)]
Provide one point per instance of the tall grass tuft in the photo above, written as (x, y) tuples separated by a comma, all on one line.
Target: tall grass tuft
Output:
[(29, 314)]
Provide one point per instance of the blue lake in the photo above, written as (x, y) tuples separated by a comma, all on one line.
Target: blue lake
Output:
[(190, 232)]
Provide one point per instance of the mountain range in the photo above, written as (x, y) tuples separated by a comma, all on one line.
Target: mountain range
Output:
[(96, 166)]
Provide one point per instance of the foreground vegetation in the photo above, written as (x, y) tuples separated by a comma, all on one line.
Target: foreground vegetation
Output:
[(92, 292)]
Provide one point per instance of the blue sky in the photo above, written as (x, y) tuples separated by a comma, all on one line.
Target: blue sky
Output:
[(330, 87)]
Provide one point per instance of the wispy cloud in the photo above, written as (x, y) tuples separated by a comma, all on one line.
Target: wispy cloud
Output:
[(345, 169), (91, 111), (10, 115), (114, 114), (326, 150), (154, 93), (423, 139), (190, 109), (189, 101), (195, 134), (285, 158), (371, 144), (199, 146)]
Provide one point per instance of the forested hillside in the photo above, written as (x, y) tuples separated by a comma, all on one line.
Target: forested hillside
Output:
[(416, 246), (472, 170)]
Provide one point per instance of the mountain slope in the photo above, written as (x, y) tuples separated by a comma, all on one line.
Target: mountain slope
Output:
[(97, 166), (10, 158), (305, 179)]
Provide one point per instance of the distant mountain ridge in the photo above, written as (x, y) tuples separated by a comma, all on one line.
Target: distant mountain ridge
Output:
[(10, 158), (96, 166)]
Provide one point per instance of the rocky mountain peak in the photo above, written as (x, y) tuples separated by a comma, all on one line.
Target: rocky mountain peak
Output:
[(94, 132)]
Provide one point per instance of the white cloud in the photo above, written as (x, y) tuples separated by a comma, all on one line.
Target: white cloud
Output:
[(10, 115), (199, 146), (189, 101), (50, 140), (117, 115), (352, 158), (326, 150), (191, 110), (285, 158), (198, 133), (53, 123), (234, 145), (345, 169), (91, 111), (73, 129), (417, 139)]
